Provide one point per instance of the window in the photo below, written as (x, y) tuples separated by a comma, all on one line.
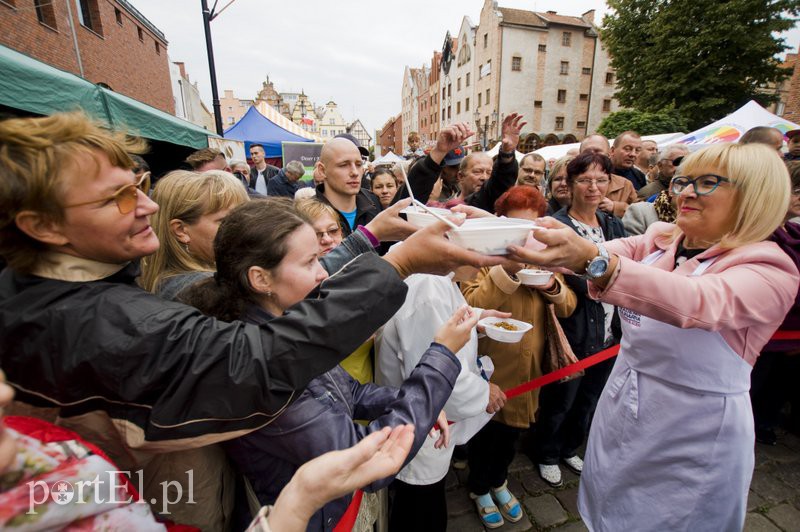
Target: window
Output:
[(564, 68), (141, 34), (466, 105), (118, 16), (542, 47), (606, 105), (485, 40), (479, 99), (480, 71), (89, 15), (584, 97), (562, 96), (45, 12), (331, 121), (586, 71), (230, 108), (458, 84), (458, 108), (448, 112), (559, 122), (581, 124), (609, 78), (231, 120), (444, 92), (516, 63), (324, 132), (158, 48), (449, 89), (537, 104), (566, 38), (487, 96), (467, 80)]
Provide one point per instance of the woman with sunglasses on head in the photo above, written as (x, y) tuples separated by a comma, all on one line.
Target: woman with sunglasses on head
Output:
[(671, 444), (192, 206), (267, 262), (565, 409)]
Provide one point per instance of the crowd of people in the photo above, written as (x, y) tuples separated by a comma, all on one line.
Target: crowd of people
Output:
[(310, 355)]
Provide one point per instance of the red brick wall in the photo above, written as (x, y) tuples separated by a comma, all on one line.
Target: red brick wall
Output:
[(792, 110), (117, 58), (398, 135), (386, 139)]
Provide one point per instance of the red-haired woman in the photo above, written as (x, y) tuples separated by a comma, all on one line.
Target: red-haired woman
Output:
[(492, 449)]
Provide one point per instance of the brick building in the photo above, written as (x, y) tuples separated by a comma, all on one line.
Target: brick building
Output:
[(107, 42), (390, 137), (791, 97)]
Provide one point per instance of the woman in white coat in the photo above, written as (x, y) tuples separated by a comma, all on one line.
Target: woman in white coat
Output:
[(671, 443)]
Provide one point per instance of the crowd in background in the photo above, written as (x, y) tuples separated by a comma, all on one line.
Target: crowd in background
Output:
[(242, 321)]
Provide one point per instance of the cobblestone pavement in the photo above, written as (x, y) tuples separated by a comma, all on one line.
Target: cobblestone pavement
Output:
[(773, 506)]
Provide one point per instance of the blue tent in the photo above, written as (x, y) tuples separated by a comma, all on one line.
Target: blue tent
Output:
[(255, 128)]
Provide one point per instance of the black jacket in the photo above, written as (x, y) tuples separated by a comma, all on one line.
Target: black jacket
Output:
[(269, 172), (279, 185), (367, 207), (423, 175), (165, 370), (585, 328), (634, 175)]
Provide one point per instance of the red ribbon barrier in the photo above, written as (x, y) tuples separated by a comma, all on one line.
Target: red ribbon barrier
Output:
[(605, 354), (347, 521)]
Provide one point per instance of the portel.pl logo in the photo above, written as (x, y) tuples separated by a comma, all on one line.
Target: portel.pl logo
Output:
[(111, 490)]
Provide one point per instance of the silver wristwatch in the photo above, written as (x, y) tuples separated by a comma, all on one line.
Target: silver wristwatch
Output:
[(598, 266)]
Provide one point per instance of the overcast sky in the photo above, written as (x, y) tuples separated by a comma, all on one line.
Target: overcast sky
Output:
[(351, 52)]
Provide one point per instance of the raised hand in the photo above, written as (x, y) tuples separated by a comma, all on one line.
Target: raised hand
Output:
[(450, 138), (512, 126)]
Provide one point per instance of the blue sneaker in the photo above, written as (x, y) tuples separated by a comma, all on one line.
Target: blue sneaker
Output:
[(487, 511), (509, 505)]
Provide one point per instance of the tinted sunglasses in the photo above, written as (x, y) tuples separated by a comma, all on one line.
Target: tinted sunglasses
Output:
[(126, 197)]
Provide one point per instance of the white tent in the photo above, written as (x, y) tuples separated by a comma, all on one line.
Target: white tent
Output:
[(560, 150), (496, 149), (389, 158), (733, 126)]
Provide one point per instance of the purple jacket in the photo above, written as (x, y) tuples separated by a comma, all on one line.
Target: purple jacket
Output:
[(788, 238), (321, 420)]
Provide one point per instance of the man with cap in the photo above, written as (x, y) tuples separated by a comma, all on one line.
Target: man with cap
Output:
[(794, 145), (668, 162)]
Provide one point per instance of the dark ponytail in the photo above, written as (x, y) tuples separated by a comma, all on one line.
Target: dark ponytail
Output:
[(253, 234)]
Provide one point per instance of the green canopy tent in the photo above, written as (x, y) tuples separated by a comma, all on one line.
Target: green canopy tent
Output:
[(35, 87)]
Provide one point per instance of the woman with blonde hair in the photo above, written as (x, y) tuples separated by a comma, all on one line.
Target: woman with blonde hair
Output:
[(192, 207), (558, 192), (324, 220), (671, 443)]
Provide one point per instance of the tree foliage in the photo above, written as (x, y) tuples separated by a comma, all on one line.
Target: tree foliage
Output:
[(704, 58), (643, 122)]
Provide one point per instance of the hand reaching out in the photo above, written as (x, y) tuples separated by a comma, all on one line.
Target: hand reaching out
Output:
[(455, 333), (442, 426)]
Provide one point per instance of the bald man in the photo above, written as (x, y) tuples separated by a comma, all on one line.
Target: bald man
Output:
[(341, 167), (620, 191)]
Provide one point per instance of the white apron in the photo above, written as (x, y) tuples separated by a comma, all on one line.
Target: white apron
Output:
[(671, 443)]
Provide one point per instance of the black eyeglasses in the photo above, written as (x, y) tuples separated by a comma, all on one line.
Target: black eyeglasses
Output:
[(703, 185)]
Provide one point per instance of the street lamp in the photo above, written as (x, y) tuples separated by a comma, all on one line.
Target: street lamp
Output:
[(208, 16), (477, 117)]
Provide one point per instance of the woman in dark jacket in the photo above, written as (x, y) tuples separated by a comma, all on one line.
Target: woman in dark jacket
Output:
[(565, 409), (776, 370), (266, 263)]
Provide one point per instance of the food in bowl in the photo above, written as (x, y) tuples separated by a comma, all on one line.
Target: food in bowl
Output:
[(505, 330)]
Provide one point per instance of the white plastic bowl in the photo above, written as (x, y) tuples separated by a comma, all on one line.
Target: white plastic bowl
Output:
[(421, 219), (504, 335), (531, 277), (491, 236)]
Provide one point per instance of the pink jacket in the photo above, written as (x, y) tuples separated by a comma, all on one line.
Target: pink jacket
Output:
[(744, 294)]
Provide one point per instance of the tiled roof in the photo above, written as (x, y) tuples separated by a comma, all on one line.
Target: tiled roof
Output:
[(521, 17), (562, 19)]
